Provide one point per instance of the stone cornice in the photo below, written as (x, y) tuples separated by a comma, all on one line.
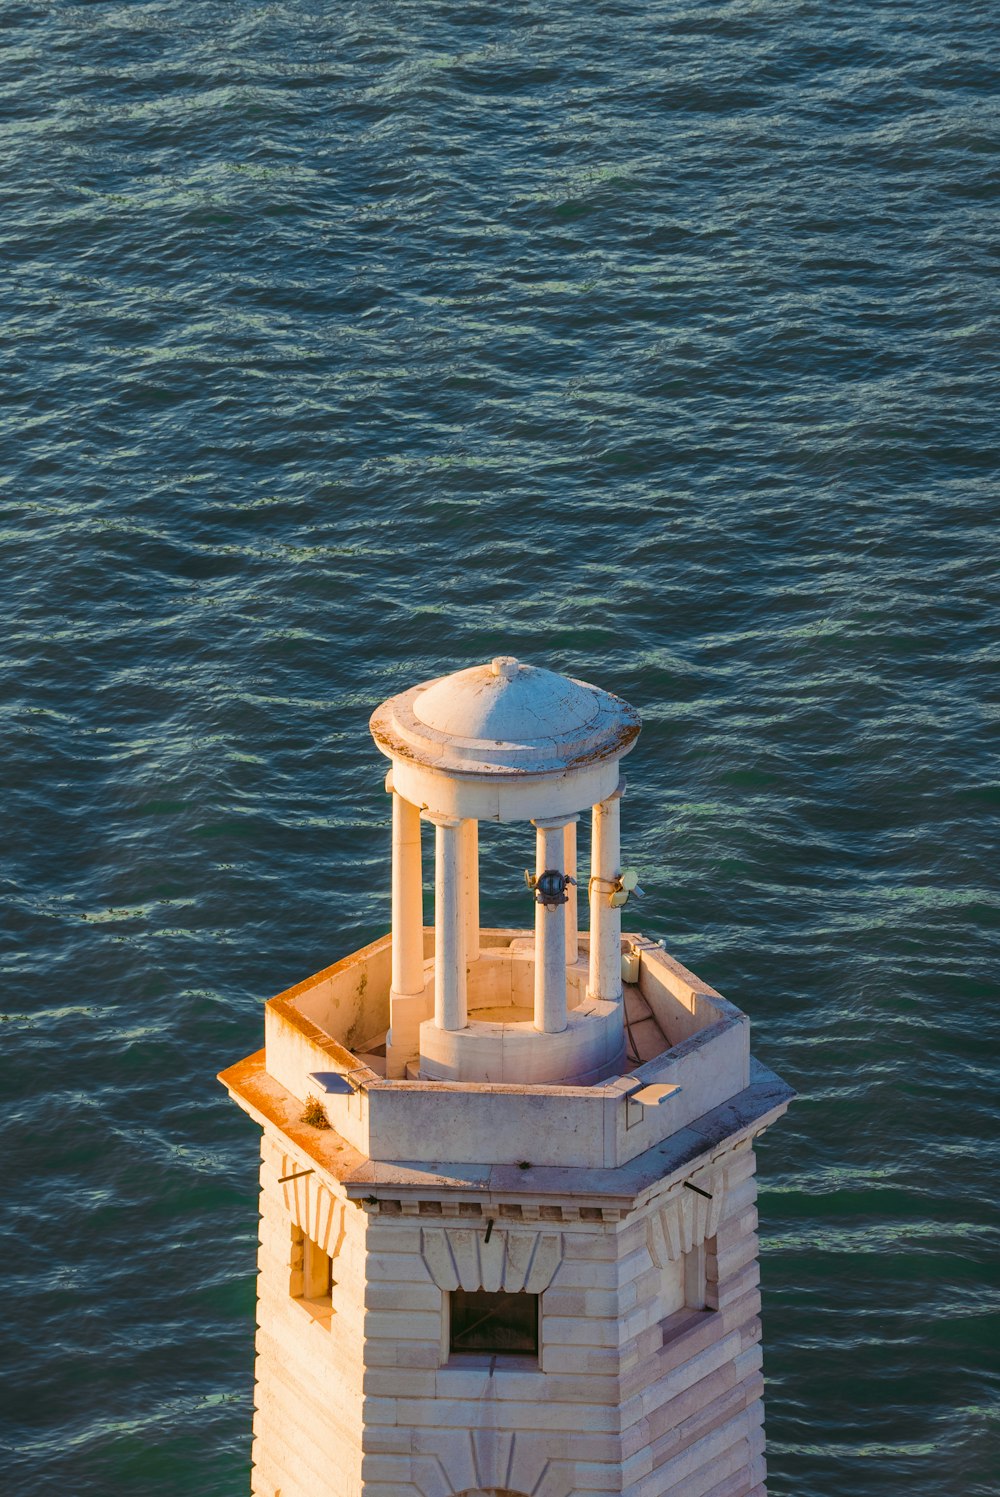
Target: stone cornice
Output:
[(649, 1175)]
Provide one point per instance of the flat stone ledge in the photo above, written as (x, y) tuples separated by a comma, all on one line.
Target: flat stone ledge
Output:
[(367, 1181)]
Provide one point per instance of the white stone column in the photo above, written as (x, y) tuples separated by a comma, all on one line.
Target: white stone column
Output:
[(605, 921), (572, 906), (470, 888), (407, 899), (450, 1001), (406, 986), (550, 932)]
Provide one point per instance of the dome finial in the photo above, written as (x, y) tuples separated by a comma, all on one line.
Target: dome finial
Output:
[(505, 666)]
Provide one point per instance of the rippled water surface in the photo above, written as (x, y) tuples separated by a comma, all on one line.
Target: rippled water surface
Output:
[(346, 344)]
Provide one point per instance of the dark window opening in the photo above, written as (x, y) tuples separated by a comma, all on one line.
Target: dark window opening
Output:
[(485, 1322)]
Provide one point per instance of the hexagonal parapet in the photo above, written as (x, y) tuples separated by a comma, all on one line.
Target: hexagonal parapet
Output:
[(611, 1224), (684, 1038)]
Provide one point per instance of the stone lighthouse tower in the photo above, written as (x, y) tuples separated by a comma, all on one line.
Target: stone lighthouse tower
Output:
[(507, 1177)]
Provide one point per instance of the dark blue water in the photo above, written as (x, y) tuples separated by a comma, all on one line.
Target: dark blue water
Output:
[(348, 344)]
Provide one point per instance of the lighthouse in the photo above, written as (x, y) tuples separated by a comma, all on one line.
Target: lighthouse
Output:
[(507, 1191)]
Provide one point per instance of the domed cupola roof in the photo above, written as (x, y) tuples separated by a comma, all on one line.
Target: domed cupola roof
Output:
[(505, 719)]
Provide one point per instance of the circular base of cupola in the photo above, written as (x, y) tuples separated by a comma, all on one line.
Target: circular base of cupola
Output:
[(590, 1049)]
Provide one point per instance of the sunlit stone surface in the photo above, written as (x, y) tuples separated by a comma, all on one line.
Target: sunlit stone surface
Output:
[(521, 1258)]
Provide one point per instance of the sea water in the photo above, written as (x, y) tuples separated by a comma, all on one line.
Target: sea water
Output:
[(351, 344)]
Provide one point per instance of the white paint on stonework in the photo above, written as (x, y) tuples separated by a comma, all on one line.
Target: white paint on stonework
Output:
[(459, 1258)]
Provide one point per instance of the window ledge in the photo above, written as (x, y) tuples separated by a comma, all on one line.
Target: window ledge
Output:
[(321, 1313), (683, 1323), (483, 1361)]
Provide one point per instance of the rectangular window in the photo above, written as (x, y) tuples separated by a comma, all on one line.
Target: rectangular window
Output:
[(311, 1279), (501, 1323), (694, 1277), (685, 1297)]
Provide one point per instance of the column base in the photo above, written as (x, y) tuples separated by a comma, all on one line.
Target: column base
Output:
[(407, 1011), (590, 1049)]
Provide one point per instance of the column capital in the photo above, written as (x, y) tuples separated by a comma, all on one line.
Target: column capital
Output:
[(553, 823)]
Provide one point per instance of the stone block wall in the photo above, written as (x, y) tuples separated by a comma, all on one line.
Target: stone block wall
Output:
[(648, 1380), (309, 1400), (635, 1392), (691, 1385), (441, 1426)]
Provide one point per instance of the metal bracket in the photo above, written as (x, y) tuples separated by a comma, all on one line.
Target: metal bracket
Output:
[(619, 890), (698, 1190)]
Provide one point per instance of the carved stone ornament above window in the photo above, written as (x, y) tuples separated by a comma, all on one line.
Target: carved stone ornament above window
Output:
[(461, 1258), (686, 1218), (312, 1208)]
